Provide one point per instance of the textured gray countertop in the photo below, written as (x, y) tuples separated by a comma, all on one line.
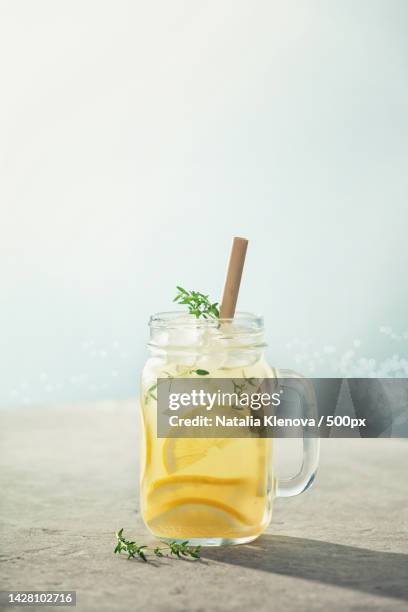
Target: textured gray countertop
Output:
[(69, 478)]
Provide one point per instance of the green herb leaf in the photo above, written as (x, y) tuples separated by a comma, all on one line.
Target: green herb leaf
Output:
[(198, 304), (174, 548)]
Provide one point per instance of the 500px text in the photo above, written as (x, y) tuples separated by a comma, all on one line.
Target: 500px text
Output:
[(265, 421)]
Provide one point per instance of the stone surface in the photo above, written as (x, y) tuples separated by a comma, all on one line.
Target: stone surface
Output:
[(69, 478)]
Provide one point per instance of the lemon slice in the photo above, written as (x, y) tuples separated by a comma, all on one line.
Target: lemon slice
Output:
[(194, 479), (147, 450), (191, 517), (166, 489), (180, 453)]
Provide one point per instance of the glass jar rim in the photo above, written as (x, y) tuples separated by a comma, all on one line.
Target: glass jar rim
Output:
[(178, 319)]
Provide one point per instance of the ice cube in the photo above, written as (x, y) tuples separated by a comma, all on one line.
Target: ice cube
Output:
[(160, 337), (185, 336), (212, 362), (241, 359), (153, 369)]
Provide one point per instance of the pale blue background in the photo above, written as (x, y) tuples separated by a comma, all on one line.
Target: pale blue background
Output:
[(138, 137)]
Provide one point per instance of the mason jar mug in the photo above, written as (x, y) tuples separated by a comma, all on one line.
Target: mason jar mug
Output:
[(210, 491)]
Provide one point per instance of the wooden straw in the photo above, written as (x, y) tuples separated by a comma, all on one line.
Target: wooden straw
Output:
[(233, 280)]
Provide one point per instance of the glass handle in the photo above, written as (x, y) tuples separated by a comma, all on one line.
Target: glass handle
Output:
[(288, 487)]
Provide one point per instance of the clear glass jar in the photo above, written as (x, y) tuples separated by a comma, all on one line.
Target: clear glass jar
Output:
[(208, 491)]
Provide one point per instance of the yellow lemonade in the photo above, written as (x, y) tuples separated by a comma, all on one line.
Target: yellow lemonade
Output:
[(205, 490)]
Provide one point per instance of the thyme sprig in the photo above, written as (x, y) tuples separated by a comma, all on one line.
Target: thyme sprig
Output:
[(133, 550), (198, 304)]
